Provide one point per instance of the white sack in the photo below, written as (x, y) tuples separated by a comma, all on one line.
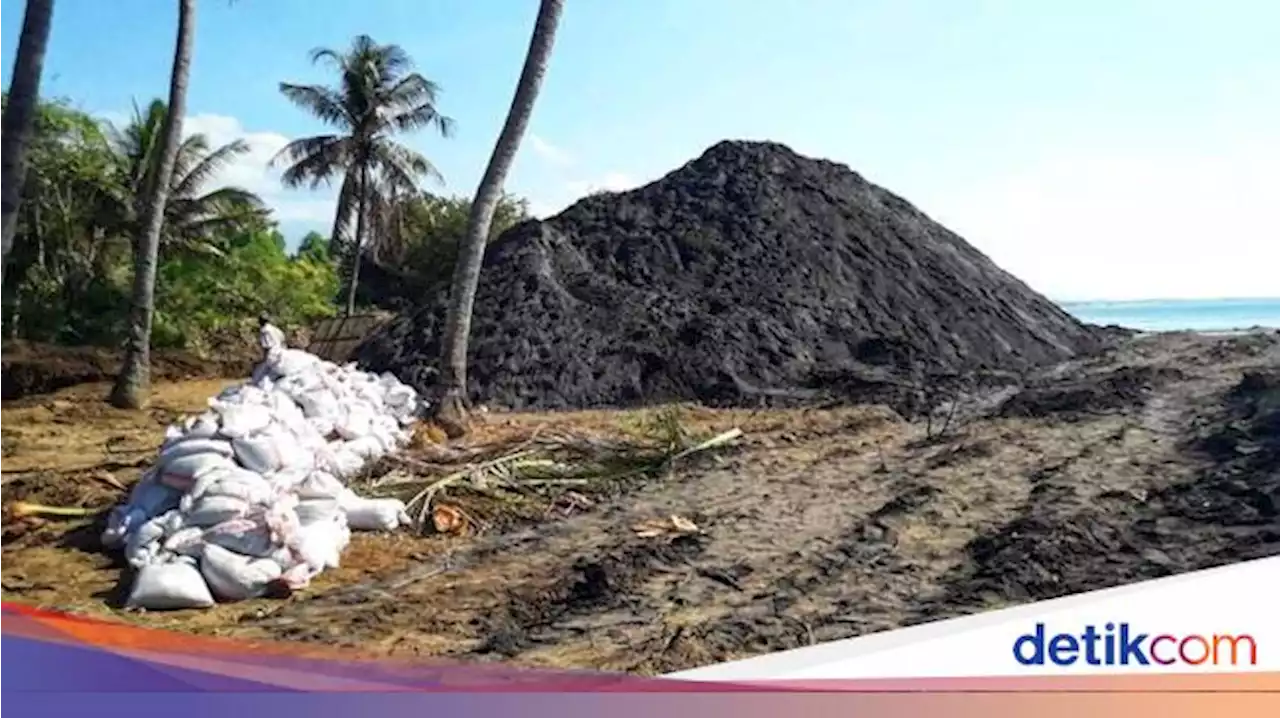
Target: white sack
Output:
[(153, 497), (254, 489), (319, 485), (236, 578), (213, 509), (320, 545), (242, 536), (315, 510), (182, 472), (188, 445), (143, 544), (345, 463), (242, 419), (187, 541), (373, 514), (169, 586)]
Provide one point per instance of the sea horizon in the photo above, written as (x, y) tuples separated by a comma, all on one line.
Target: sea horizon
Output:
[(1165, 315)]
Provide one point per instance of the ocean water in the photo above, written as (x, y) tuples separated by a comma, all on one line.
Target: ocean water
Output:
[(1163, 315)]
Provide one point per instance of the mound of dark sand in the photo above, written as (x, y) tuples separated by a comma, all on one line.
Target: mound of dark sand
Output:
[(751, 272)]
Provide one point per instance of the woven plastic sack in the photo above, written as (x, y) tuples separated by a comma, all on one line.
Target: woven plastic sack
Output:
[(170, 586), (233, 577)]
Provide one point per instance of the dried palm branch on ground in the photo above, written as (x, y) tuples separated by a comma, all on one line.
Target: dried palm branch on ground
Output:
[(546, 465)]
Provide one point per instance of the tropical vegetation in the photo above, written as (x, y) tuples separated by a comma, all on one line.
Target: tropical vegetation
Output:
[(124, 236), (377, 96)]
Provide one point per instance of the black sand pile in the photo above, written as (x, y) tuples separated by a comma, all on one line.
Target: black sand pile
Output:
[(750, 272)]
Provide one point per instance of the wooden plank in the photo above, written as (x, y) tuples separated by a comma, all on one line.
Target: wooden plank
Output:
[(337, 338)]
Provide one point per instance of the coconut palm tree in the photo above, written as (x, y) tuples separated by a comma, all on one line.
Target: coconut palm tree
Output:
[(194, 217), (133, 386), (20, 114), (378, 95), (452, 408)]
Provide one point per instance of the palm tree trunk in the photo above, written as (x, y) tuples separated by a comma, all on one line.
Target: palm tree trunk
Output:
[(451, 411), (362, 208), (341, 219), (133, 386), (20, 115)]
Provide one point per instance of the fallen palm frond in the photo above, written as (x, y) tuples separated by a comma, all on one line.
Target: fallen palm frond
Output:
[(546, 465), (21, 509)]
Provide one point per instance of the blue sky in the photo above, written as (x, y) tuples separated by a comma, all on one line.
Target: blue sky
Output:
[(1095, 148)]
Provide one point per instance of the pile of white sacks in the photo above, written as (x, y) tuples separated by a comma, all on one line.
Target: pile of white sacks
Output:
[(251, 494)]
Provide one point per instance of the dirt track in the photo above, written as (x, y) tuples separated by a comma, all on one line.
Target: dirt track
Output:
[(1152, 460)]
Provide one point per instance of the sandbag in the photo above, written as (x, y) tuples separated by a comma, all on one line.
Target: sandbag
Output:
[(356, 423), (322, 425), (182, 472), (242, 536), (205, 426), (245, 485), (319, 485), (251, 491), (242, 419), (319, 545), (294, 455), (153, 497), (169, 586), (289, 361), (122, 521), (233, 577), (258, 452), (240, 483), (345, 463), (188, 445), (284, 409), (314, 510), (211, 510), (286, 480), (319, 402), (187, 541), (373, 514), (143, 543), (369, 448)]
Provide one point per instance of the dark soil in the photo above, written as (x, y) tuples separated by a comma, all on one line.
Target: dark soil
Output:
[(823, 524), (1226, 510), (752, 274), (32, 369), (1112, 391), (813, 535)]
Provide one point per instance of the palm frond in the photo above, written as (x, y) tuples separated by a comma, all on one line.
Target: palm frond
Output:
[(420, 117), (391, 60), (325, 55), (191, 152), (323, 102), (400, 167), (410, 91), (189, 181), (313, 160), (239, 199)]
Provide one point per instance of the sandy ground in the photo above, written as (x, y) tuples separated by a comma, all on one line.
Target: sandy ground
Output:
[(1150, 460)]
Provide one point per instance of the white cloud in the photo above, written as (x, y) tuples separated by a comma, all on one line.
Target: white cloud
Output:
[(549, 152), (251, 170), (609, 182), (544, 203)]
